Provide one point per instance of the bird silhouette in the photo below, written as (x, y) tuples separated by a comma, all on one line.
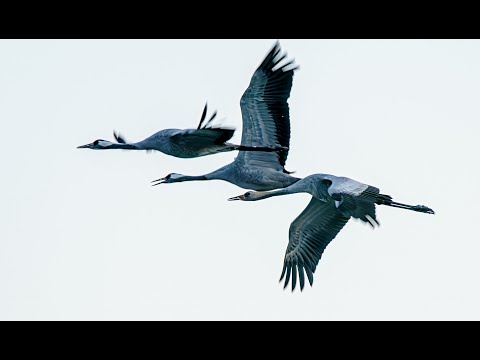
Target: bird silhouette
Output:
[(184, 143), (334, 201)]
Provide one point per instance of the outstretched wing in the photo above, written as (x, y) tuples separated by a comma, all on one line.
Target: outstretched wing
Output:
[(203, 124), (265, 111), (202, 138), (309, 235), (204, 135), (119, 138)]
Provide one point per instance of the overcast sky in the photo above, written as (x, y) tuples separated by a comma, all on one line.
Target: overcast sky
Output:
[(85, 237)]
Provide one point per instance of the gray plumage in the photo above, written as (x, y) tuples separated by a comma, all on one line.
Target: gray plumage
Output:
[(334, 201), (266, 120), (184, 143)]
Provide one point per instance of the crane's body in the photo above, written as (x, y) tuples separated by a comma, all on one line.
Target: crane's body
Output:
[(241, 176), (334, 201), (266, 120), (260, 167), (183, 143)]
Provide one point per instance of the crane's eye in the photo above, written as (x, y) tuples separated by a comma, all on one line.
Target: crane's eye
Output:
[(248, 193), (95, 143)]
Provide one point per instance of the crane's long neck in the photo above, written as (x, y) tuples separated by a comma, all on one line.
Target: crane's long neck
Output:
[(223, 173), (173, 178), (123, 146), (292, 189), (182, 178), (140, 145)]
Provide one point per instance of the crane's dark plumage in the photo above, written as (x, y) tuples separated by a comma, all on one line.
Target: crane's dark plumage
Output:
[(266, 120), (201, 124), (310, 233), (334, 201), (188, 143), (120, 139), (265, 110)]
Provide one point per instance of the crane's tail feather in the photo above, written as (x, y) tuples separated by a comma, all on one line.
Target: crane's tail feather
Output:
[(362, 206)]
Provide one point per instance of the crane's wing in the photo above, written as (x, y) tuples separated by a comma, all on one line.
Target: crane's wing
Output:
[(200, 138), (203, 124), (309, 235), (265, 112), (356, 199), (119, 138), (204, 135)]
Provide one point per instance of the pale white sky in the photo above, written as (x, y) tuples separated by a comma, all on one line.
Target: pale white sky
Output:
[(85, 237)]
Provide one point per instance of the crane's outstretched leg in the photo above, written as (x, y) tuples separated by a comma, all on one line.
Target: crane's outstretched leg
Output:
[(387, 200), (258, 148)]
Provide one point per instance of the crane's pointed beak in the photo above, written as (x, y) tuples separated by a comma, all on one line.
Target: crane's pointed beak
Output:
[(158, 181), (87, 146), (239, 197)]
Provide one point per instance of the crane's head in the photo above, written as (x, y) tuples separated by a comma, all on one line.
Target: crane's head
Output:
[(249, 196), (97, 145), (170, 178)]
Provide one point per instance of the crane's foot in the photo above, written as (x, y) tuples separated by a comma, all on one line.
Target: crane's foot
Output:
[(422, 208), (279, 148)]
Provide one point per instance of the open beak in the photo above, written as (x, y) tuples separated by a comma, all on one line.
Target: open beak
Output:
[(239, 197), (158, 181), (88, 146)]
